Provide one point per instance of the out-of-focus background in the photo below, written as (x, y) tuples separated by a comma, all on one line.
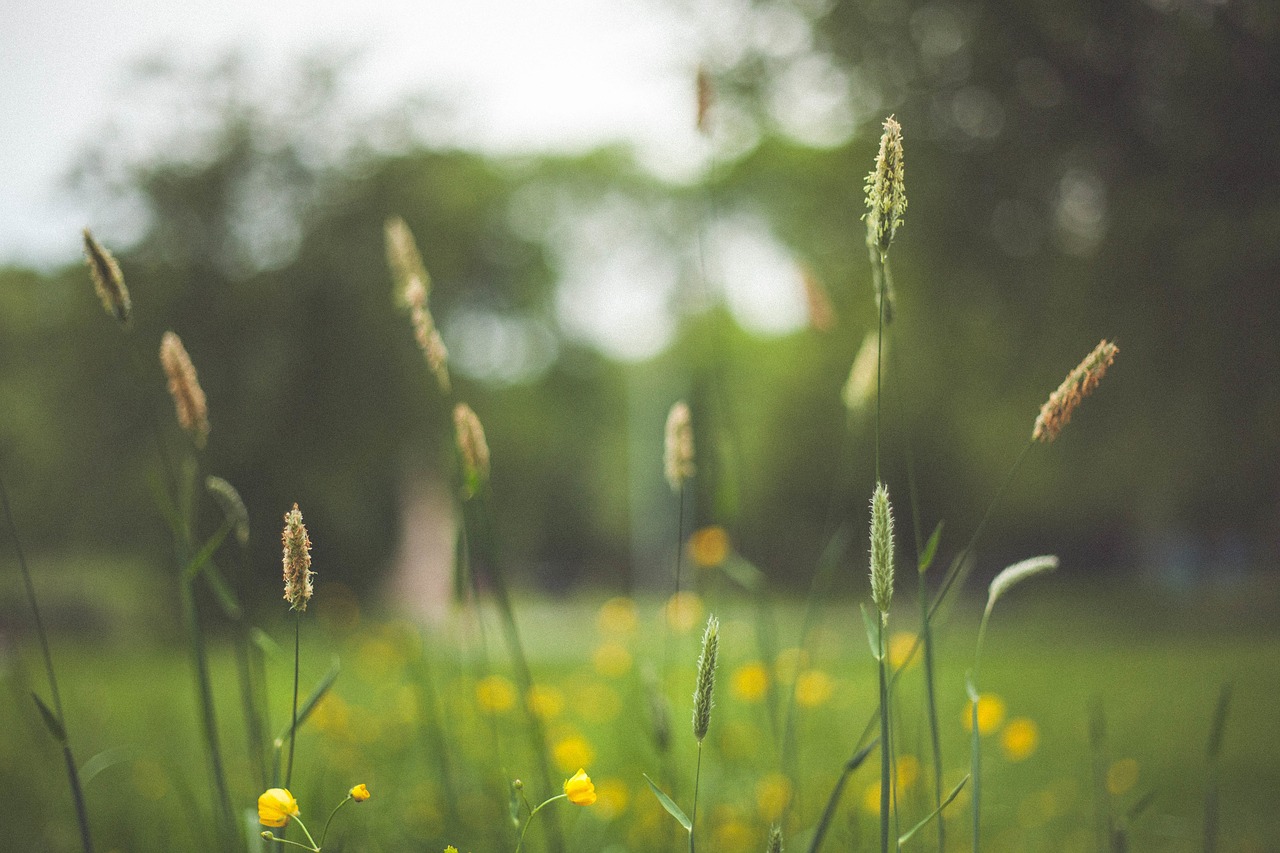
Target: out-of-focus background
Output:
[(1075, 171)]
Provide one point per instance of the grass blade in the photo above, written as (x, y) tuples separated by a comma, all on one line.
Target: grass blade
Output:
[(930, 550), (670, 805), (317, 693), (1213, 752), (955, 792), (51, 721)]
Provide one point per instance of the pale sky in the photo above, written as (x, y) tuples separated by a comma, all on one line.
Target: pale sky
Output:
[(521, 74)]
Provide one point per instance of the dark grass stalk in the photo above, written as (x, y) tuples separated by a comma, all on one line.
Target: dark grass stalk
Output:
[(1213, 753), (293, 727), (693, 815), (886, 780), (975, 743), (73, 774), (1104, 825), (477, 526)]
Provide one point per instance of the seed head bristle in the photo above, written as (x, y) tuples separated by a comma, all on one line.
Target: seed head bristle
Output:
[(886, 188), (108, 281), (702, 694), (1016, 574), (184, 387), (472, 447), (1080, 383), (678, 446), (298, 586), (881, 549)]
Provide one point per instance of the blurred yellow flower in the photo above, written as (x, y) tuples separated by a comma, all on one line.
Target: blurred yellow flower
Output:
[(613, 796), (276, 806), (735, 836), (684, 611), (573, 751), (495, 694), (1019, 738), (900, 645), (871, 798), (814, 687), (611, 660), (545, 701), (908, 769), (750, 682), (1122, 776), (360, 793), (617, 616), (709, 546), (579, 790), (595, 703), (773, 795), (991, 711)]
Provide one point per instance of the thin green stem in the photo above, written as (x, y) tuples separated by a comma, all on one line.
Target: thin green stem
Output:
[(204, 698), (324, 833), (975, 747), (886, 783), (697, 780), (879, 353), (529, 820), (307, 833), (293, 728)]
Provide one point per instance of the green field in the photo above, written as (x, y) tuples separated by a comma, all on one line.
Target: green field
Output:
[(1153, 661)]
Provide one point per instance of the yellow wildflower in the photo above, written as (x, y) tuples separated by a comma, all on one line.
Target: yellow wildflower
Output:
[(750, 682), (579, 790), (1020, 738), (573, 750), (991, 711), (1122, 776), (360, 793), (495, 694), (900, 645), (684, 611), (709, 546), (612, 660), (773, 795), (814, 687), (544, 701), (617, 616), (276, 806)]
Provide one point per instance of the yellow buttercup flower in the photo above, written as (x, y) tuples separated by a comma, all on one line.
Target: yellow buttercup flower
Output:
[(813, 688), (709, 546), (360, 793), (495, 694), (573, 750), (991, 711), (901, 645), (1020, 738), (276, 806), (750, 682), (579, 790)]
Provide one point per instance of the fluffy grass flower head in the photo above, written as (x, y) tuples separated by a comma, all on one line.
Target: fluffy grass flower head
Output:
[(579, 790), (473, 448), (886, 189), (298, 586), (184, 387), (1080, 382), (702, 694), (678, 446), (276, 806), (881, 549), (108, 281)]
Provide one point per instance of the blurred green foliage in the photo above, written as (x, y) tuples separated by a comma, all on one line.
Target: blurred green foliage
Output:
[(1074, 172)]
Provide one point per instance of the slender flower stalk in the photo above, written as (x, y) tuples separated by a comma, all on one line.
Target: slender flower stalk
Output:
[(73, 774), (578, 789), (882, 594), (298, 589)]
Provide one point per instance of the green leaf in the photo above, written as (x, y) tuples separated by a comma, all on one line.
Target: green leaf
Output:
[(930, 550), (513, 804), (321, 688), (860, 756), (1219, 721), (105, 760), (669, 804), (217, 582), (873, 630), (206, 551), (263, 641), (743, 573), (51, 721), (922, 824)]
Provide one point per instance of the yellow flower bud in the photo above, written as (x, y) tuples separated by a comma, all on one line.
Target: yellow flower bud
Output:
[(360, 793), (276, 806), (579, 790)]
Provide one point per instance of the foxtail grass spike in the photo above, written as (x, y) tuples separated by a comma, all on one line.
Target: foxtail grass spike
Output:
[(1080, 382), (232, 505), (702, 695), (881, 549), (404, 260), (298, 586), (678, 449), (886, 189), (184, 387), (775, 839), (108, 281), (1016, 574), (473, 448)]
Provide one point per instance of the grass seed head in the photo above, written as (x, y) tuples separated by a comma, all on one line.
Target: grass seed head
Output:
[(472, 447), (702, 695), (881, 549), (775, 839), (232, 506), (1016, 574), (1080, 382), (886, 188), (405, 262), (108, 281), (678, 453), (184, 386), (298, 586)]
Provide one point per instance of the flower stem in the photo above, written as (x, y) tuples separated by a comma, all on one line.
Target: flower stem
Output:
[(324, 833), (293, 729), (886, 784), (529, 820), (697, 779)]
